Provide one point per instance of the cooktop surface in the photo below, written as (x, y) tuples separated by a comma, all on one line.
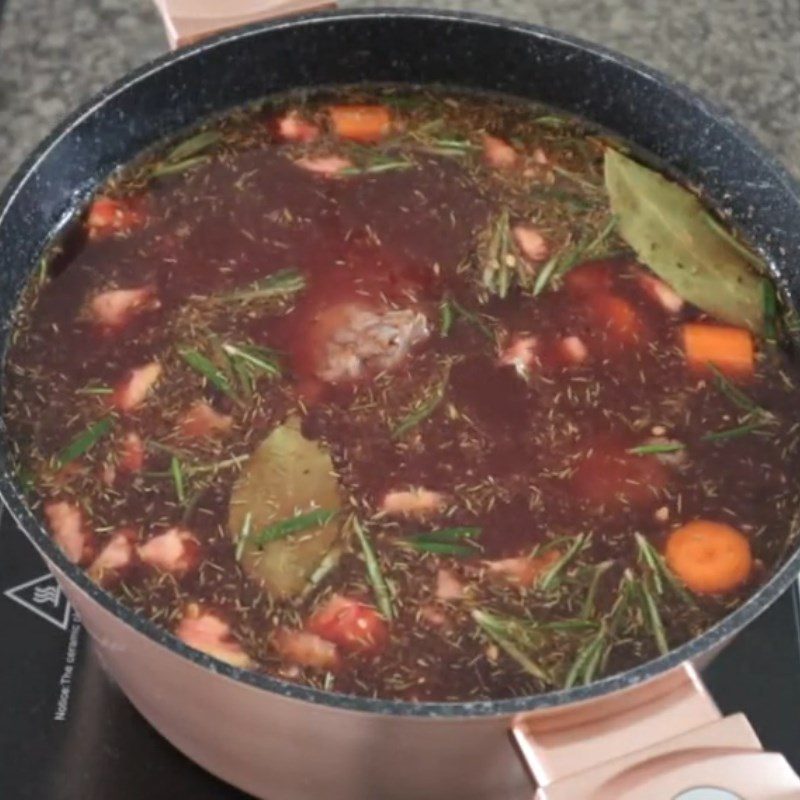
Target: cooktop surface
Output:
[(67, 732)]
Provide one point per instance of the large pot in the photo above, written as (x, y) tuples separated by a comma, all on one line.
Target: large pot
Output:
[(284, 741)]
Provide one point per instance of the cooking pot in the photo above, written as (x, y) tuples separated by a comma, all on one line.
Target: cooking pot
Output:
[(650, 732)]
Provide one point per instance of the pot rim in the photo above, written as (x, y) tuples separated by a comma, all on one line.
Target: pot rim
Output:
[(30, 525)]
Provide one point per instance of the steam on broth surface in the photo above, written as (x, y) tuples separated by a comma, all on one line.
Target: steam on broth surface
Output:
[(409, 394)]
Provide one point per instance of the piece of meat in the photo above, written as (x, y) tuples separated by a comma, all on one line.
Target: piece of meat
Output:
[(448, 586), (293, 127), (131, 453), (115, 555), (413, 502), (531, 242), (113, 309), (202, 420), (661, 293), (572, 350), (176, 550), (69, 530), (498, 153), (132, 390), (354, 626), (351, 341), (520, 353), (206, 631), (522, 571), (307, 650), (327, 166)]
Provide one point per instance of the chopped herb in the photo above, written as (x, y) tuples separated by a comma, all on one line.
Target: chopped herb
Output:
[(85, 441), (301, 522), (244, 534), (385, 166), (445, 318), (442, 548), (383, 595), (177, 477), (95, 390), (655, 447), (733, 433), (446, 541)]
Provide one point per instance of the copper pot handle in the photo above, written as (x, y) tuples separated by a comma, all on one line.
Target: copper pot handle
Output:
[(187, 21), (660, 740), (664, 739)]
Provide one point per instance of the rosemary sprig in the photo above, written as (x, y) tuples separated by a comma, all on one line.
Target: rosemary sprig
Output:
[(598, 570), (193, 145), (560, 263), (661, 574), (177, 478), (457, 541), (733, 433), (655, 447), (497, 629), (499, 261), (281, 284), (85, 441), (258, 358), (383, 595), (215, 376), (423, 409), (733, 393), (167, 168), (300, 522), (553, 575)]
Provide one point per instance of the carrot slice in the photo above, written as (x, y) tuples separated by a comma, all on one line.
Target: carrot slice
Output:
[(361, 123), (729, 349), (709, 557)]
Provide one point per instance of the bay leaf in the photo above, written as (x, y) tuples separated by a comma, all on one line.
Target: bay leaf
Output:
[(668, 228), (286, 476)]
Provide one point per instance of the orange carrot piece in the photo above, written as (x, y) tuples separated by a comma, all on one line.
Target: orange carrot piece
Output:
[(361, 123), (709, 557), (729, 349)]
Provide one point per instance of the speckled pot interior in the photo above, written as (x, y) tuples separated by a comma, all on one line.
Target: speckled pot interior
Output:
[(412, 46)]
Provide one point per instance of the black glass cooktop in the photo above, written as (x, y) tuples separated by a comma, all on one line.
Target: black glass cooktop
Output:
[(67, 733)]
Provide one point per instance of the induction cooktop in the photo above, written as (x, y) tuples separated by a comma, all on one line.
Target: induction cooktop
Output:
[(68, 733)]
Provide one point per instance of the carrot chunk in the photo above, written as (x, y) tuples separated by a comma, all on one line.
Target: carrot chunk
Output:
[(729, 349), (709, 557), (361, 123)]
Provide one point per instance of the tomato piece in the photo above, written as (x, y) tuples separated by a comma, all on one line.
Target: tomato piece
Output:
[(616, 317), (351, 624)]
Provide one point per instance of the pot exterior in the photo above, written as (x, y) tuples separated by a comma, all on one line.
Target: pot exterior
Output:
[(281, 748)]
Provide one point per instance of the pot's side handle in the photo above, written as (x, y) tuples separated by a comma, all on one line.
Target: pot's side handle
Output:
[(662, 739), (187, 21)]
